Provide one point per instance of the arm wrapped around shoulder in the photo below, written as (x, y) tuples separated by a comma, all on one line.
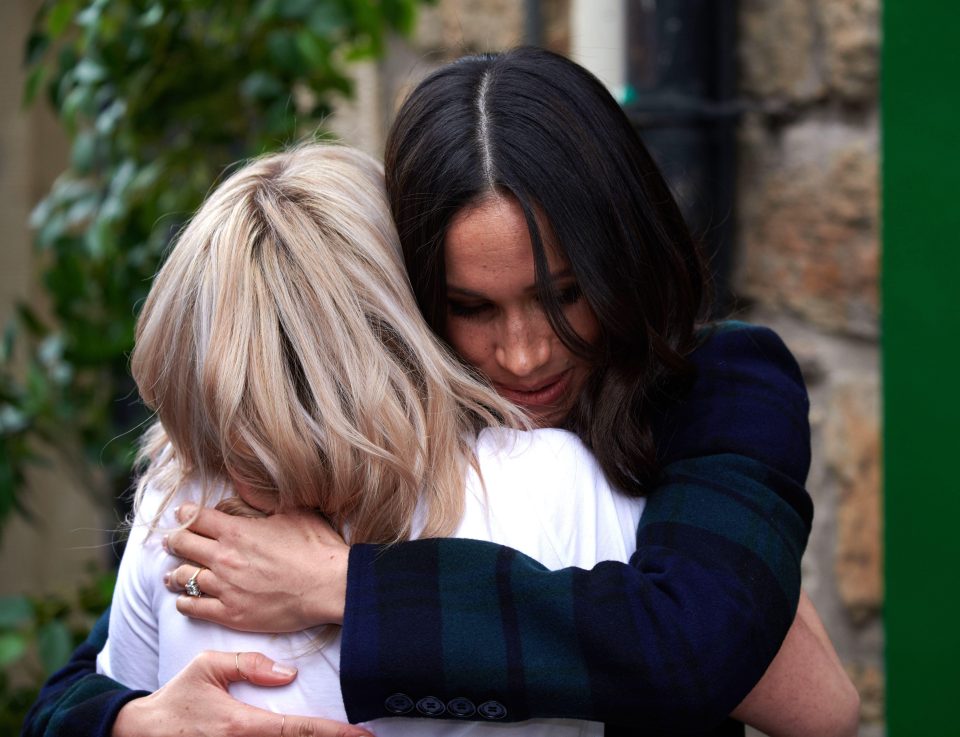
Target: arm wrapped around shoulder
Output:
[(671, 641), (748, 398)]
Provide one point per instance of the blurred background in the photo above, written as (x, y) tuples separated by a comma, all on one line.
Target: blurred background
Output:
[(116, 117)]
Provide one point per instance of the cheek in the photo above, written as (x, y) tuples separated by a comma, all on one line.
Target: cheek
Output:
[(471, 342)]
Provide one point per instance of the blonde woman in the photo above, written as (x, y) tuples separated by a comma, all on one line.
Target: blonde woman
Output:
[(286, 359), (285, 356)]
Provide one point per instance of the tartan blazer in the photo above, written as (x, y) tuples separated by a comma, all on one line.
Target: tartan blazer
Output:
[(669, 643)]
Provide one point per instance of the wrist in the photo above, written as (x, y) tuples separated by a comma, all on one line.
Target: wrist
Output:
[(327, 604), (130, 721)]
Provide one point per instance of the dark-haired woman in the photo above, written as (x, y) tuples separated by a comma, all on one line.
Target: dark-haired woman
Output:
[(543, 244)]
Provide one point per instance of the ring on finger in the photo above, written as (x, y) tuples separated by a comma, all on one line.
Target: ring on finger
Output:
[(193, 588), (242, 674)]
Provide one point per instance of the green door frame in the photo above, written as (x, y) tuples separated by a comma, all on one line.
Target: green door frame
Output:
[(920, 102)]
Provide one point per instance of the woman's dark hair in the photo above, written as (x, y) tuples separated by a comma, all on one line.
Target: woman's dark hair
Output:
[(534, 126)]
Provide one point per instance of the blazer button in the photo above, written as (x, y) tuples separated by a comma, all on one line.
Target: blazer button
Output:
[(492, 710), (431, 706), (399, 703), (461, 707)]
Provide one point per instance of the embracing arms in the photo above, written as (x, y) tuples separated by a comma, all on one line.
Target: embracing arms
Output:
[(679, 636)]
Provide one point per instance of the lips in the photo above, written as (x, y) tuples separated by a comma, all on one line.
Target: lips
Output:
[(539, 396)]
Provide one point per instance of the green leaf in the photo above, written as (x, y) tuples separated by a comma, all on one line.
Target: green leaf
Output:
[(51, 350), (81, 211), (54, 645), (152, 17), (282, 50), (100, 239), (78, 100), (327, 20), (89, 72), (108, 119), (261, 86), (311, 49), (12, 648), (12, 420), (33, 84), (295, 9), (266, 10), (51, 230), (83, 152), (35, 47), (28, 316), (89, 17), (61, 14), (15, 611), (158, 96)]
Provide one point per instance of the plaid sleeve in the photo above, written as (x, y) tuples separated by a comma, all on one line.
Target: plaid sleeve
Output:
[(669, 643), (76, 702)]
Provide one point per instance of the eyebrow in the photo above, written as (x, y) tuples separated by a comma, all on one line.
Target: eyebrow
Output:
[(463, 292)]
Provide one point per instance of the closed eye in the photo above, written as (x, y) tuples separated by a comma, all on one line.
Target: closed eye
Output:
[(468, 309)]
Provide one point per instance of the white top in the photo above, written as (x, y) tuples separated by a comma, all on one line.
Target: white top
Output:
[(545, 496)]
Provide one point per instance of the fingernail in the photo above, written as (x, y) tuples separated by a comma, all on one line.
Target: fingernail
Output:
[(283, 669), (166, 580), (166, 543)]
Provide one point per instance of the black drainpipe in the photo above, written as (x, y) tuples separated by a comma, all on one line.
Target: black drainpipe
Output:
[(682, 97)]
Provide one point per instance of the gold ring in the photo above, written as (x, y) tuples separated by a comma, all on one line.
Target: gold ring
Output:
[(241, 673)]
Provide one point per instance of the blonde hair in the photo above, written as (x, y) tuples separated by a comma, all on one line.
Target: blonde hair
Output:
[(281, 348)]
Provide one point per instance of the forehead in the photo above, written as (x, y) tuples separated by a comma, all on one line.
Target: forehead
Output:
[(489, 240)]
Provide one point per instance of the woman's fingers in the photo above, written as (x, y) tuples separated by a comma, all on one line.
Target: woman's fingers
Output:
[(224, 668), (196, 701), (190, 546), (312, 727), (257, 668), (204, 579), (204, 521), (206, 608), (282, 573)]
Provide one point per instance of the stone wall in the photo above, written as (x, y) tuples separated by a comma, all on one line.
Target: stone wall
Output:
[(807, 254), (807, 263)]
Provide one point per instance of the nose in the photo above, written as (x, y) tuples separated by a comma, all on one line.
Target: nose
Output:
[(524, 344)]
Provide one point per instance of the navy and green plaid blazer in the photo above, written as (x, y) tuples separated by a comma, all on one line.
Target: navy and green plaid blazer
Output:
[(669, 643)]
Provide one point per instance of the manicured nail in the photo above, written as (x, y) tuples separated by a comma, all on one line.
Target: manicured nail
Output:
[(283, 669)]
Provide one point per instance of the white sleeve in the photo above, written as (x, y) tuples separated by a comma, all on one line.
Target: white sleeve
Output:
[(130, 655)]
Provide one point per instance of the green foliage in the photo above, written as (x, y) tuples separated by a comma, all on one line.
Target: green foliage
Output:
[(157, 97), (37, 636)]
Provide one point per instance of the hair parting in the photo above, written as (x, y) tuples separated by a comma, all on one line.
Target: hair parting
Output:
[(533, 126)]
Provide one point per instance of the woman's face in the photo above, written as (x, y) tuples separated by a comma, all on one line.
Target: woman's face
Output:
[(495, 320)]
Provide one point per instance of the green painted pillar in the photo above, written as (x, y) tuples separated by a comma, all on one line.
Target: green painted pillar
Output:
[(920, 101)]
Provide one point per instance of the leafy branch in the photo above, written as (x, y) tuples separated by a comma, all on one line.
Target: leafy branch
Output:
[(157, 98)]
